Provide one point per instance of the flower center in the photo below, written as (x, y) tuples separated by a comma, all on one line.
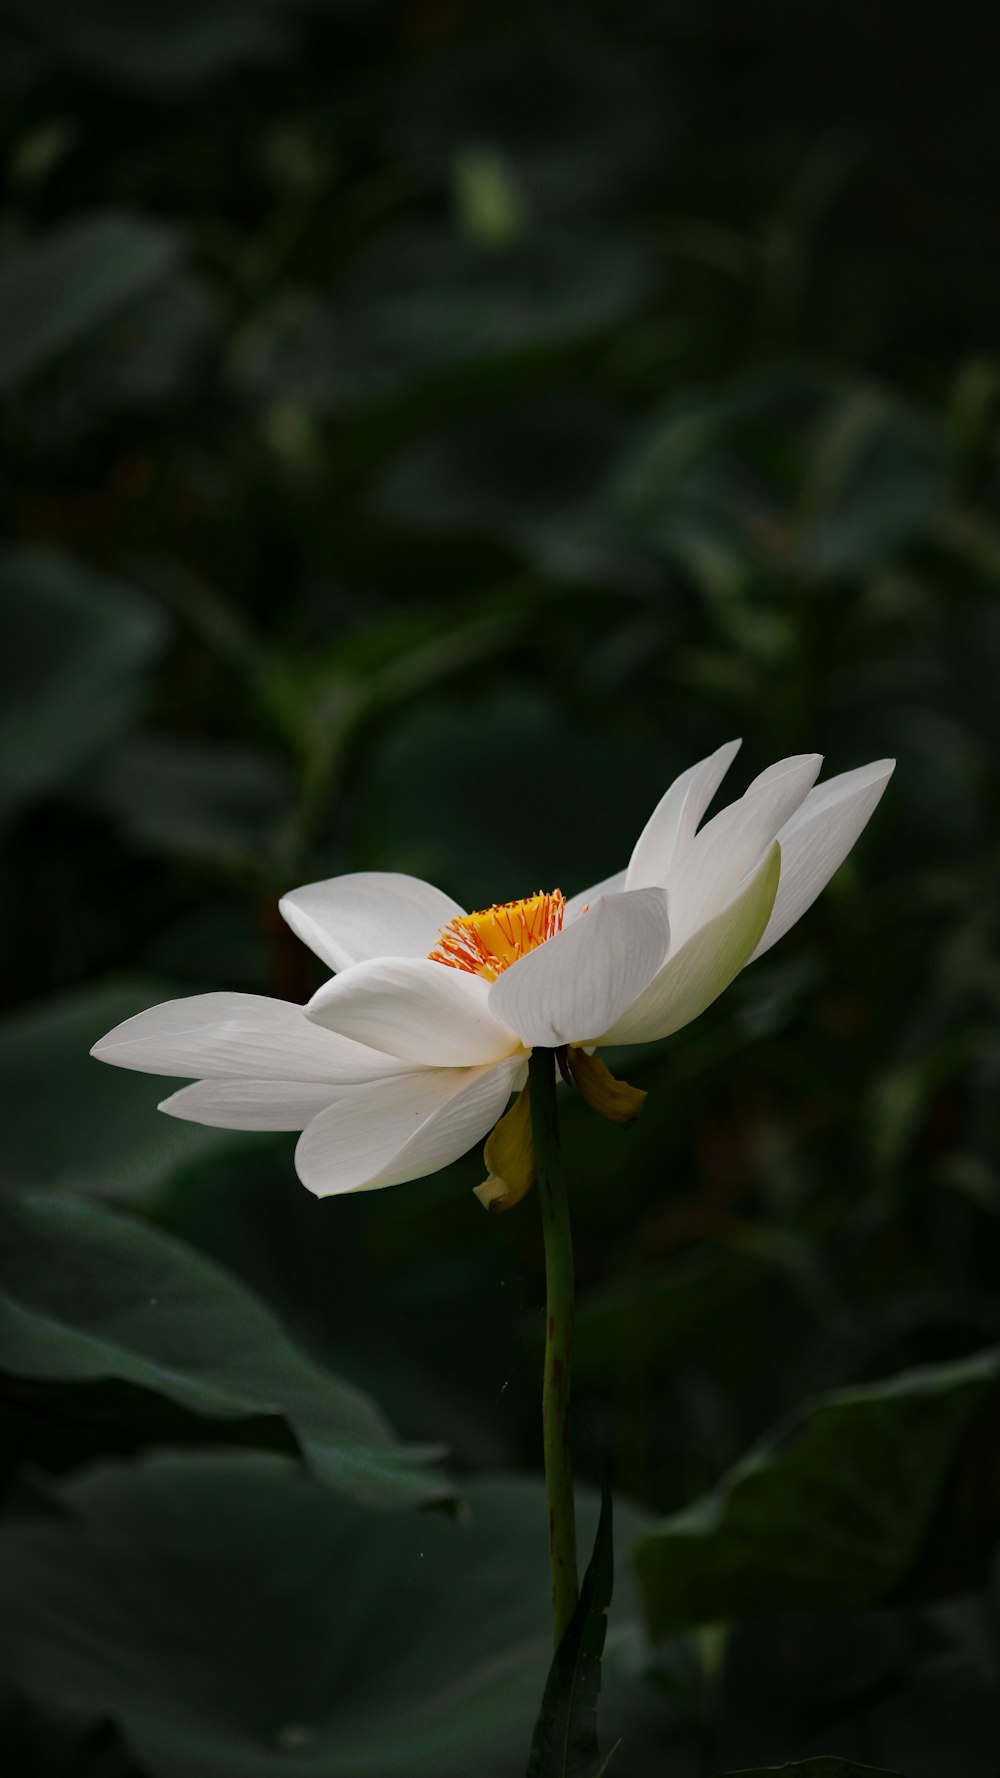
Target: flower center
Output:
[(488, 942)]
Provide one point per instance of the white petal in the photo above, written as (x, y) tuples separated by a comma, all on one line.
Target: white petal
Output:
[(421, 1011), (697, 974), (401, 1129), (372, 913), (817, 839), (579, 982), (253, 1104), (709, 872), (246, 1035), (672, 825), (587, 897)]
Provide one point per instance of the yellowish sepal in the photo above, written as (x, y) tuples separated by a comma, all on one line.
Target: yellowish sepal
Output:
[(614, 1099), (510, 1156)]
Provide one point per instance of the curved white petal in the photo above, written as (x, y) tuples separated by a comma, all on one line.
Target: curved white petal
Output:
[(395, 1130), (672, 825), (709, 872), (253, 1104), (420, 1011), (371, 913), (696, 975), (817, 839), (587, 897), (579, 982), (247, 1035)]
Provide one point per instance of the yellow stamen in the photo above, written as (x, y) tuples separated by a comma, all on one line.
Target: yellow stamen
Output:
[(488, 942)]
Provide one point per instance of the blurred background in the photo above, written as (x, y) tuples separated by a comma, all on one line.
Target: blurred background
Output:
[(425, 433)]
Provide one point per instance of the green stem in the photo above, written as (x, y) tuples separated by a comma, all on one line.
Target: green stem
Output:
[(558, 1338)]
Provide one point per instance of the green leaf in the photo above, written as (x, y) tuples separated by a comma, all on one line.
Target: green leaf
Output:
[(422, 303), (814, 1768), (63, 286), (87, 1295), (163, 44), (236, 1620), (662, 1332), (574, 123), (413, 1260), (152, 356), (869, 1496), (72, 1122), (565, 1740), (876, 484), (212, 802), (682, 487), (75, 651)]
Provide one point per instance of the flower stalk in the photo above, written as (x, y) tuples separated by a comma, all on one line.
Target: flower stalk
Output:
[(556, 1438)]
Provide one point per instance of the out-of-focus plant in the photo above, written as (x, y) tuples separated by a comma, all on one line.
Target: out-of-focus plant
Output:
[(383, 392)]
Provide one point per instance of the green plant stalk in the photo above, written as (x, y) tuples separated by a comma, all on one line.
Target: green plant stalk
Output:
[(554, 1206)]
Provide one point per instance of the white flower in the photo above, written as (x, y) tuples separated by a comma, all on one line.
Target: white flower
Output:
[(409, 1054)]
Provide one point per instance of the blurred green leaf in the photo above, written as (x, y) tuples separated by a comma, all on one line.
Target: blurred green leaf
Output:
[(174, 795), (785, 467), (508, 415), (684, 487), (161, 44), (72, 1122), (60, 287), (875, 484), (415, 1260), (152, 355), (271, 1627), (424, 302), (488, 208), (39, 152), (576, 122), (75, 651), (87, 1295), (869, 1495), (565, 1742)]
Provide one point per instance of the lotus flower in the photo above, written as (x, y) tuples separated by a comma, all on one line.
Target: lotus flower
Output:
[(409, 1054)]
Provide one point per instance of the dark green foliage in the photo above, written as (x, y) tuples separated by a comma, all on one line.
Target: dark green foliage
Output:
[(424, 435), (87, 1297), (68, 1124), (879, 1493), (565, 1743), (77, 649), (274, 1628), (59, 291)]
